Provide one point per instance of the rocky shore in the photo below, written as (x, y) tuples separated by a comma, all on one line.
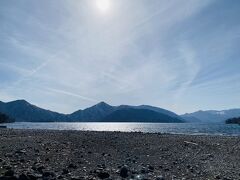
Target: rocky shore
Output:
[(42, 154)]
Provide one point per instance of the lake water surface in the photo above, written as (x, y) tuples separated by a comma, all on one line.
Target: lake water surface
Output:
[(172, 128)]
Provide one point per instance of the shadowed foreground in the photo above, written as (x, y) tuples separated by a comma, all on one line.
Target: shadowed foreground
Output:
[(41, 154)]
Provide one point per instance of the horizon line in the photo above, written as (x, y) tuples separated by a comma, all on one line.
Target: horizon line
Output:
[(114, 106)]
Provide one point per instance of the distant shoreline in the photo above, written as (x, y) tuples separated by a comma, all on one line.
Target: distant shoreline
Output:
[(86, 155)]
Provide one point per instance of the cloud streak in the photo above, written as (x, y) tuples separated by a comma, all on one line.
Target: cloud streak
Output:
[(72, 94), (160, 53)]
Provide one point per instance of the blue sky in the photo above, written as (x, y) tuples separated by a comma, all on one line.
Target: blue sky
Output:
[(66, 55)]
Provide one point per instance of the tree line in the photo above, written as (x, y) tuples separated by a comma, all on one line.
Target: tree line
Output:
[(233, 121), (5, 118)]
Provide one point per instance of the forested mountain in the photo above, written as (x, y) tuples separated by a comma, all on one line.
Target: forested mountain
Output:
[(21, 110)]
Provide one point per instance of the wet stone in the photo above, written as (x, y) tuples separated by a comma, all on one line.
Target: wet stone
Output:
[(23, 177), (65, 171), (40, 168), (124, 172), (151, 168), (77, 178), (160, 178), (20, 151), (72, 166), (9, 173), (34, 176), (103, 175), (48, 174)]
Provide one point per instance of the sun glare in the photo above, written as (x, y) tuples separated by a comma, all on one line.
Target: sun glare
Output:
[(103, 5)]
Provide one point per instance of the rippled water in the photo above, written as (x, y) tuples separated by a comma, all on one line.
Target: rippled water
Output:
[(173, 128)]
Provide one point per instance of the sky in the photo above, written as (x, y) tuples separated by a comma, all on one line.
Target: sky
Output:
[(68, 55)]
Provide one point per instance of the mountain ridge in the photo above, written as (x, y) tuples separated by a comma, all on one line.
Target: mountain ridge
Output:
[(211, 116), (21, 110), (139, 115)]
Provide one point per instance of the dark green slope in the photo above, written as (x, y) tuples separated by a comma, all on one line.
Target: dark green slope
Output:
[(21, 110), (5, 119), (139, 115)]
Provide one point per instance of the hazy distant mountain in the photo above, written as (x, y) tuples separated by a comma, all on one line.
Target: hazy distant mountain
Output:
[(21, 110), (139, 115), (191, 119), (211, 116)]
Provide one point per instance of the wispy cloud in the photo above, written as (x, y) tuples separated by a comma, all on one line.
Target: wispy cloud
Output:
[(72, 94), (159, 52)]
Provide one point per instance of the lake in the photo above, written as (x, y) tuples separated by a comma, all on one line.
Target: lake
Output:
[(172, 128)]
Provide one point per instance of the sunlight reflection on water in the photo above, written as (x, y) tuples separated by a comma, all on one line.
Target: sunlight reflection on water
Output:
[(173, 128)]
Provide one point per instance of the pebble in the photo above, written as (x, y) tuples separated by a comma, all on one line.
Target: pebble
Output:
[(160, 178), (8, 155), (144, 170), (34, 176), (65, 171), (49, 174), (9, 173), (73, 166), (77, 178), (139, 177), (103, 175), (22, 160), (40, 168), (124, 172), (20, 151), (24, 177), (151, 168)]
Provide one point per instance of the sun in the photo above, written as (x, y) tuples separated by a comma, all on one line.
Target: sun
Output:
[(103, 5)]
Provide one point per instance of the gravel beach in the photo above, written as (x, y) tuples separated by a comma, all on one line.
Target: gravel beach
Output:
[(47, 154)]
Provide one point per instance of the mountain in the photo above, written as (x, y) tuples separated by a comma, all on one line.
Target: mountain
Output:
[(211, 116), (191, 119), (21, 110), (139, 115), (92, 114), (103, 112), (159, 110)]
